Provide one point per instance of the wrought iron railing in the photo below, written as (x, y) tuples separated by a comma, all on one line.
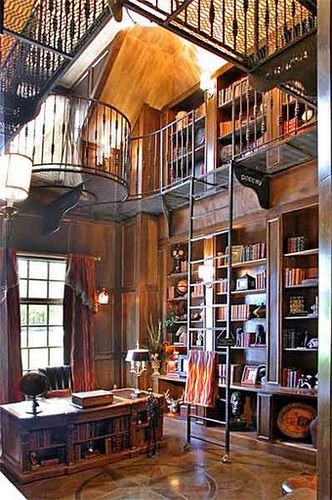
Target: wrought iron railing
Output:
[(257, 119), (40, 38), (168, 156), (245, 31), (73, 140)]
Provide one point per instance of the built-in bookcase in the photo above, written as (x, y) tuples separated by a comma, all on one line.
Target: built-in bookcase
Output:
[(299, 296)]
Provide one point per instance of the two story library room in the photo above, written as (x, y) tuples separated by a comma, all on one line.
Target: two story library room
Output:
[(165, 249)]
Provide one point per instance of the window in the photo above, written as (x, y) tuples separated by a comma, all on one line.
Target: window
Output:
[(41, 298)]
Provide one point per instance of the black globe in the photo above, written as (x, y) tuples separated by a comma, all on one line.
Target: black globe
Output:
[(33, 384)]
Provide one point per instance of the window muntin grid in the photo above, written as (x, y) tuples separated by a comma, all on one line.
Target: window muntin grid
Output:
[(41, 301)]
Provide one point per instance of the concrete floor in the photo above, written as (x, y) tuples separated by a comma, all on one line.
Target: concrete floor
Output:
[(174, 474)]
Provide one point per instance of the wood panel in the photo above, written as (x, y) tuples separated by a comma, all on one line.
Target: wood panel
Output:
[(129, 254), (265, 417), (295, 184), (151, 252), (129, 326)]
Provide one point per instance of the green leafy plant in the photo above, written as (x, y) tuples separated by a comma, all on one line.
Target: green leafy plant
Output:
[(155, 336), (169, 321)]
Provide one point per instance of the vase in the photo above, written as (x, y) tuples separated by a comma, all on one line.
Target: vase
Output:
[(155, 364)]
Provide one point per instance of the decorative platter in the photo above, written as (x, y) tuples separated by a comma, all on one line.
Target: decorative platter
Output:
[(294, 420)]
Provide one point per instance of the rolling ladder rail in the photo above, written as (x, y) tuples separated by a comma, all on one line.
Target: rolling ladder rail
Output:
[(227, 340)]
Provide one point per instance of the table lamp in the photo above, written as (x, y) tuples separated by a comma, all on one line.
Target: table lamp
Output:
[(138, 358)]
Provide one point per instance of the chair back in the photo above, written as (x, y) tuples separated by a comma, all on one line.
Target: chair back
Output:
[(59, 377)]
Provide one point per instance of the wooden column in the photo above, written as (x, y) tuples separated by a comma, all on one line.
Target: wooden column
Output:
[(324, 44)]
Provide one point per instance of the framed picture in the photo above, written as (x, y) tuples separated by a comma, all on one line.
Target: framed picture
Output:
[(249, 375)]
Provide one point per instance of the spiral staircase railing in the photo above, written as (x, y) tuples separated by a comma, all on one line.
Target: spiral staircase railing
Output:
[(77, 141)]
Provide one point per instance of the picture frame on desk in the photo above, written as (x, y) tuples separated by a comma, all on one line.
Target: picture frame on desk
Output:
[(249, 375)]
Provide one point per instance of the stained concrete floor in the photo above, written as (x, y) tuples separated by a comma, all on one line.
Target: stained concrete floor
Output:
[(174, 474)]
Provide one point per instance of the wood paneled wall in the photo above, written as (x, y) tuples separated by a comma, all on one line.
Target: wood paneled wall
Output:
[(289, 190), (139, 283), (91, 238)]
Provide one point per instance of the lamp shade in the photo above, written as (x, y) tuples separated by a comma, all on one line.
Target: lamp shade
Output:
[(206, 272), (137, 355), (15, 177)]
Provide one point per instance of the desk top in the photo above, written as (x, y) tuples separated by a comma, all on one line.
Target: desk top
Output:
[(64, 406)]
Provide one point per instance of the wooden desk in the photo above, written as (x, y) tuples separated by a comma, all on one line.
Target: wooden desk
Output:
[(63, 439)]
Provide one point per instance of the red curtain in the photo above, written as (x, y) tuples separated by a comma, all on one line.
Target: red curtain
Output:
[(10, 352), (79, 302)]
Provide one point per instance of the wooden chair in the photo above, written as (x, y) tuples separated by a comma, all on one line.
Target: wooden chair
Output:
[(59, 380)]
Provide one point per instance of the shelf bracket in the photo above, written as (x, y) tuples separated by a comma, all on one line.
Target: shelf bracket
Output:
[(255, 180)]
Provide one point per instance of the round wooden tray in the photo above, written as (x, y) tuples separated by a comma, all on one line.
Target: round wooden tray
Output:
[(294, 420)]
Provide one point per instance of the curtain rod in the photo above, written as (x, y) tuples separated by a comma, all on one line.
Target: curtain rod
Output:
[(49, 255)]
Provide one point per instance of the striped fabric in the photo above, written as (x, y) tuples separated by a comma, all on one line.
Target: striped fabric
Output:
[(202, 382)]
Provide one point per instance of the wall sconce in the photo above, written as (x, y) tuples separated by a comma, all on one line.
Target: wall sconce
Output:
[(15, 178), (138, 359), (103, 296), (206, 274), (206, 84)]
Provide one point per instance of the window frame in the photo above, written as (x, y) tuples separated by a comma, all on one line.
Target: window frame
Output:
[(48, 302)]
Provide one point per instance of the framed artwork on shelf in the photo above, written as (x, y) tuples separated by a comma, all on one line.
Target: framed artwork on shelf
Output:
[(249, 375)]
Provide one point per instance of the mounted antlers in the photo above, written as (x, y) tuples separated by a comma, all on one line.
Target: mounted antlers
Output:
[(173, 404)]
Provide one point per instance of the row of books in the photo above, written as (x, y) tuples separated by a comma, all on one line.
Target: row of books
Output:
[(294, 276), (247, 339), (290, 377), (253, 252), (261, 280), (301, 276), (222, 286), (238, 311), (117, 443), (226, 94), (294, 338), (94, 429), (198, 290), (40, 439), (296, 244), (289, 126), (236, 373)]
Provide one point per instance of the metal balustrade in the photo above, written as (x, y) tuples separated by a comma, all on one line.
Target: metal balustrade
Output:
[(243, 31), (168, 156), (262, 121), (75, 141)]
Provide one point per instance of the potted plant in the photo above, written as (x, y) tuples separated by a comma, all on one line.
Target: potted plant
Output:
[(156, 343)]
